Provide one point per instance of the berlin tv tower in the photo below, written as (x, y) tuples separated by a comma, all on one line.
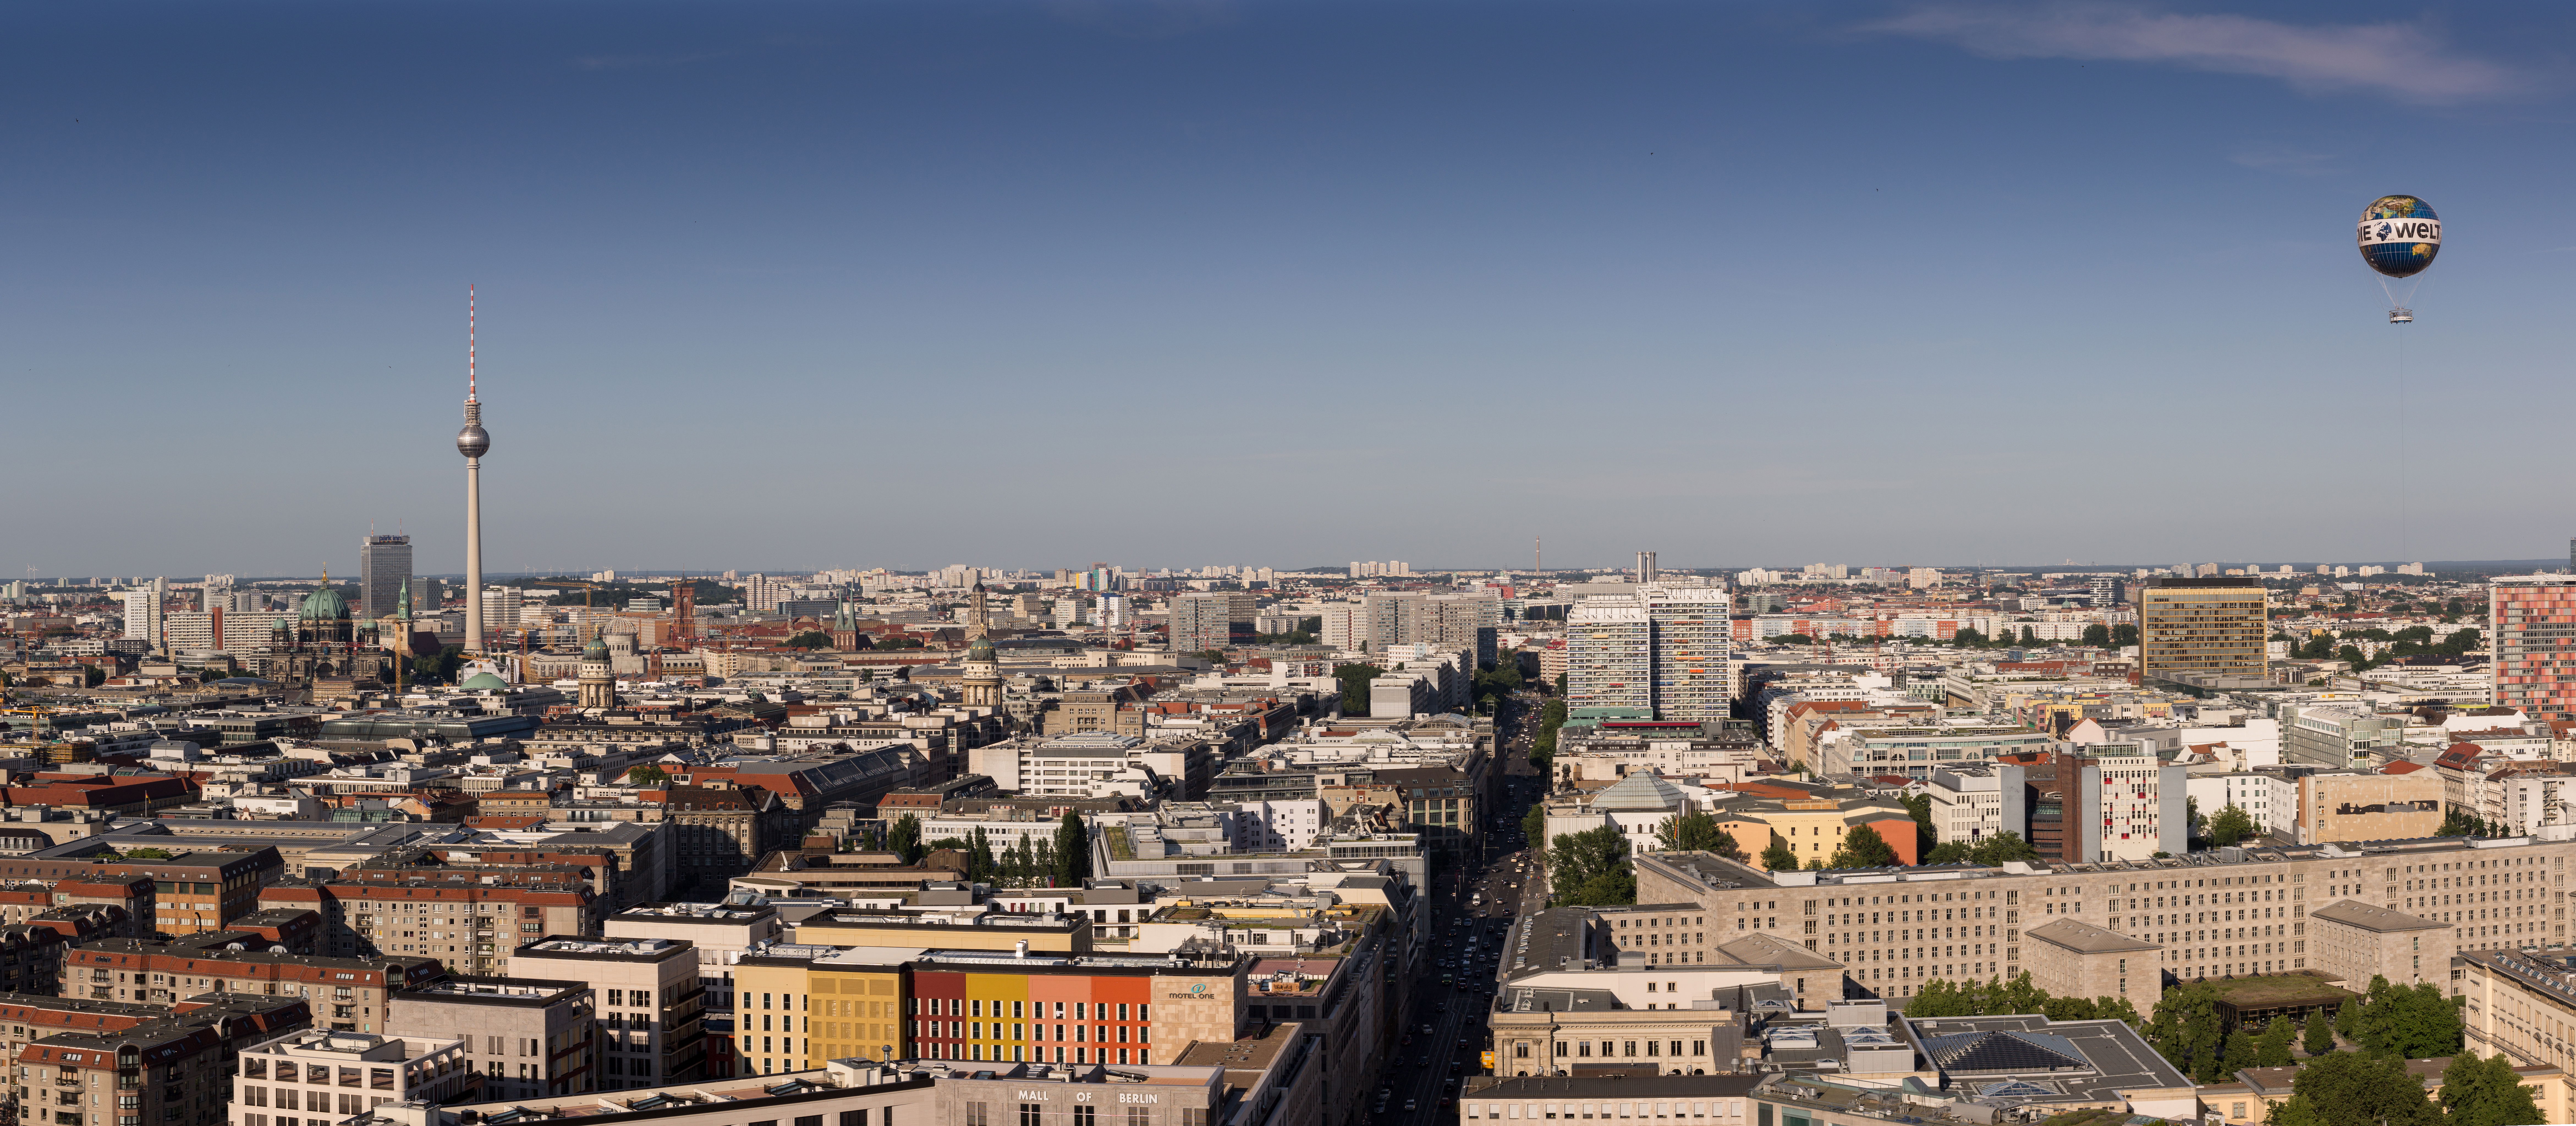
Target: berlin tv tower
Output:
[(473, 442)]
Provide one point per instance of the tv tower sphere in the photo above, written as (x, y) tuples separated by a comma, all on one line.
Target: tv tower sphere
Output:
[(473, 441)]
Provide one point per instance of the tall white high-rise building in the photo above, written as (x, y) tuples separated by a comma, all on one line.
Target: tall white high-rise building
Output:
[(501, 607), (1660, 653), (1693, 634), (143, 614), (762, 594), (1609, 660), (384, 564)]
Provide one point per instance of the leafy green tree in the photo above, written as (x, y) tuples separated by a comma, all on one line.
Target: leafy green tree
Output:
[(1697, 831), (1355, 686), (1779, 857), (1071, 851), (810, 639), (2346, 1087), (2272, 1049), (2119, 1009), (2292, 1111), (2097, 636), (2070, 1008), (981, 866), (647, 775), (2320, 1034), (2415, 1022), (2029, 636), (1925, 836), (2230, 826), (147, 854), (2124, 634), (2003, 847), (904, 839), (1862, 847), (1941, 998), (2185, 1027), (1534, 825), (1587, 865), (2347, 1022), (2239, 1053), (1609, 889), (1951, 852), (1551, 716), (2485, 1092)]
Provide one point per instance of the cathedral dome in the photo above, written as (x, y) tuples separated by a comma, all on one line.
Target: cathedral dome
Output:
[(324, 605), (597, 650), (981, 649), (484, 682)]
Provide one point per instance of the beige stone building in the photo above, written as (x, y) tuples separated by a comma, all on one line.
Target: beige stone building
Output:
[(527, 1038), (2249, 1100), (2071, 959), (2208, 914), (645, 993), (1587, 1032), (2523, 1007), (2369, 807), (2357, 941), (336, 1075), (718, 932)]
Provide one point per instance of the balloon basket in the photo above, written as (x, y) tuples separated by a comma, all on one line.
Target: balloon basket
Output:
[(2401, 316)]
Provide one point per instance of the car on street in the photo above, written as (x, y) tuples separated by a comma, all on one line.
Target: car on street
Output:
[(1408, 1106)]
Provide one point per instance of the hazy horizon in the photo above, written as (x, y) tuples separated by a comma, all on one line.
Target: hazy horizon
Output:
[(915, 282)]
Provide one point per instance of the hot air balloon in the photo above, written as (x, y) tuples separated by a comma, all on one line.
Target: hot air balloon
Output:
[(2399, 237)]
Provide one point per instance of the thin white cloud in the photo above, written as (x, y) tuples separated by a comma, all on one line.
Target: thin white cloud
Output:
[(2402, 60)]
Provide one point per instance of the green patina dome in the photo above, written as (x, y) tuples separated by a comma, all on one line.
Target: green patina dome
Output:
[(324, 605), (485, 682), (597, 650), (980, 649)]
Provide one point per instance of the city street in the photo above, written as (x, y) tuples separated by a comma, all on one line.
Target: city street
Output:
[(1473, 911)]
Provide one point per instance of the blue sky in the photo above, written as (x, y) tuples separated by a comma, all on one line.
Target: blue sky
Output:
[(858, 284)]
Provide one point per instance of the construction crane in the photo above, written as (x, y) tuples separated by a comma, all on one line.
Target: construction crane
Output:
[(586, 587), (36, 714)]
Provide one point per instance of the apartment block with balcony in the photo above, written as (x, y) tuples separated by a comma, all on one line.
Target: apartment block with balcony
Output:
[(345, 994)]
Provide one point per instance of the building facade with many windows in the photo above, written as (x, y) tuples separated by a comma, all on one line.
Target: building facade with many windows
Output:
[(2213, 626), (2531, 629)]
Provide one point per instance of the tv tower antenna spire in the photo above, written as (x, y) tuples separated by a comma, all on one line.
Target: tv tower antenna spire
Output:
[(473, 442)]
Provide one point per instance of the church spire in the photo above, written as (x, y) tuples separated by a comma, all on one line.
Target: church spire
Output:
[(977, 624)]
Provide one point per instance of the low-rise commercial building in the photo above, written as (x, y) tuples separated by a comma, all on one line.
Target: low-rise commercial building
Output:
[(528, 1038), (646, 1003), (339, 1075)]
